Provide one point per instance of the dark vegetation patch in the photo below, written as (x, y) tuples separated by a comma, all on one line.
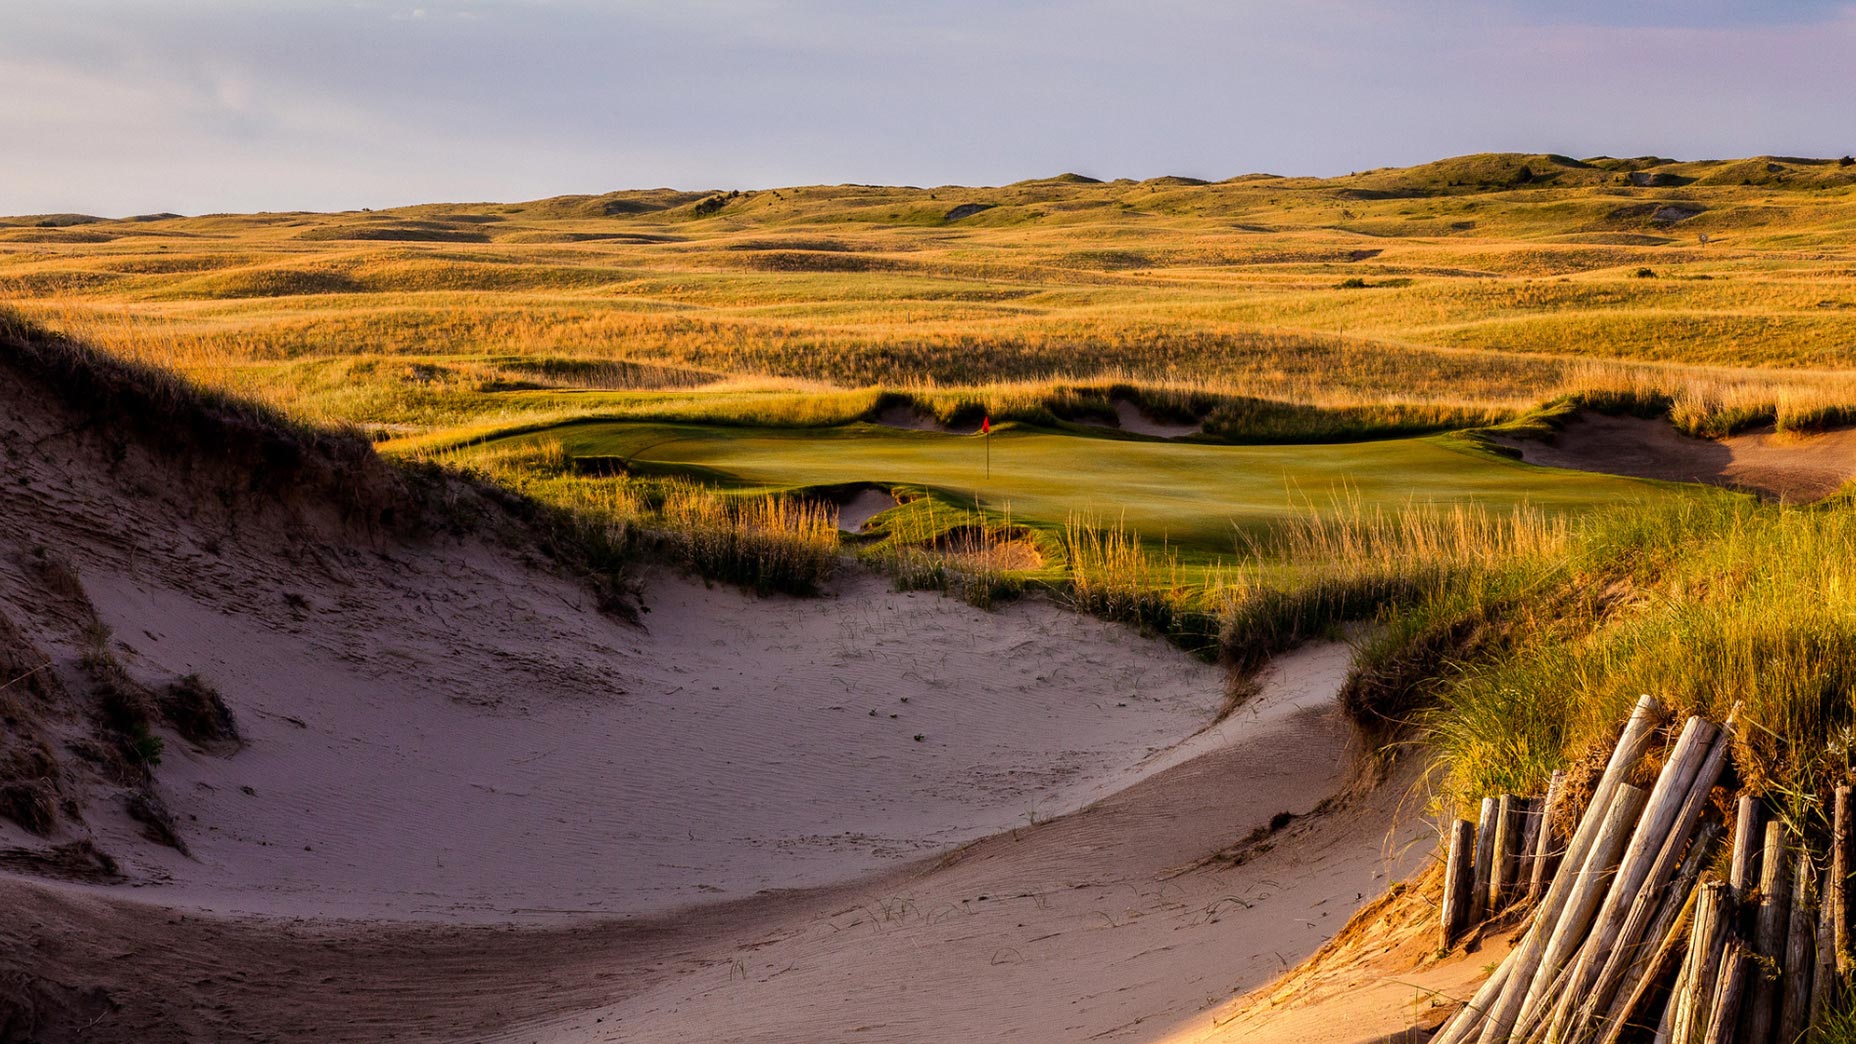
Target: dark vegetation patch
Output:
[(198, 712), (966, 210), (818, 261), (813, 243), (78, 860), (419, 232)]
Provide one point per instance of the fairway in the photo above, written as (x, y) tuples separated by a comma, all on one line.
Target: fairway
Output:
[(1191, 495)]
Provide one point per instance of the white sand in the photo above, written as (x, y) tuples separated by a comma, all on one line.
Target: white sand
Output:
[(862, 506), (1129, 417), (1092, 927), (729, 749)]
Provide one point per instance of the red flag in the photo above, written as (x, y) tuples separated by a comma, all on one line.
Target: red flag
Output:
[(986, 425)]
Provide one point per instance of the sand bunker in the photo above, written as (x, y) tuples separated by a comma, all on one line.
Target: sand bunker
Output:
[(1112, 923), (1130, 417), (909, 418), (1787, 467), (861, 505), (741, 744)]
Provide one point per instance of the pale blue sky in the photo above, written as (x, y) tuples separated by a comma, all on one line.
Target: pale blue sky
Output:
[(128, 106)]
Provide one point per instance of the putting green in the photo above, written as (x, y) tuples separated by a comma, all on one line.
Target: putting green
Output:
[(1192, 495)]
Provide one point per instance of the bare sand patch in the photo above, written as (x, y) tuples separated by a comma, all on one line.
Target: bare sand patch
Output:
[(737, 744), (863, 504), (1115, 922), (1796, 468), (908, 418), (1130, 417)]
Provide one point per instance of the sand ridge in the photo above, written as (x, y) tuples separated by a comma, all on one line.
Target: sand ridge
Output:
[(733, 745), (1796, 468), (1108, 923)]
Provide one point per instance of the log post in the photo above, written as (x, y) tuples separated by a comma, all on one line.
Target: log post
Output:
[(1824, 975), (1582, 900), (1457, 880), (1760, 1006), (1637, 890), (1668, 933), (1837, 895), (1638, 730), (1485, 860), (1740, 877), (1530, 838), (1729, 987), (1546, 846), (1508, 810), (1709, 928), (1800, 945)]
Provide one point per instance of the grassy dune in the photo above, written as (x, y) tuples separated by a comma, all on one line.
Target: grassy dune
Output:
[(1487, 282), (738, 337)]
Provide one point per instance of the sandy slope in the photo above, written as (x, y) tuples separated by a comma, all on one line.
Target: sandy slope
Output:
[(1787, 467), (1095, 925), (727, 748), (467, 805)]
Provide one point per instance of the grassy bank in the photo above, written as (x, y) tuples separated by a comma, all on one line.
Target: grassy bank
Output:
[(1516, 644)]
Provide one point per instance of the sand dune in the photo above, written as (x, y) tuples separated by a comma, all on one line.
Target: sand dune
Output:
[(733, 744), (1112, 923), (1797, 468), (466, 804)]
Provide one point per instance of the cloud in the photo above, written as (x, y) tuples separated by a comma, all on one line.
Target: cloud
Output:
[(243, 104)]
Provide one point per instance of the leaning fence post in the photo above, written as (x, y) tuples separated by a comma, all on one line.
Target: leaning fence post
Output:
[(1458, 881)]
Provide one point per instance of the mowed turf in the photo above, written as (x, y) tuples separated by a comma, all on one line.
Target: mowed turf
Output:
[(1193, 496)]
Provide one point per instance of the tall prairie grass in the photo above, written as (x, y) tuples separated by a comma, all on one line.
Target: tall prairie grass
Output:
[(978, 557), (1515, 642), (765, 543)]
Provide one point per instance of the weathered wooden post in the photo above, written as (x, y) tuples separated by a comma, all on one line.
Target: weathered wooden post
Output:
[(1746, 846), (1457, 880), (1729, 988), (1825, 977), (1485, 860), (1508, 814), (1546, 846), (1707, 938), (1837, 895), (1800, 955), (1760, 1006)]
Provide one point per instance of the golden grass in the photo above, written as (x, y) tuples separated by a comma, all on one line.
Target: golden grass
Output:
[(1459, 287)]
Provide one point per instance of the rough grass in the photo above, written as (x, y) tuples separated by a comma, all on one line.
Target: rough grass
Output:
[(1515, 644), (1396, 301)]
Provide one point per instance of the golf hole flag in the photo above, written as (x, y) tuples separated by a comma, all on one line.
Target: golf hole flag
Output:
[(986, 437)]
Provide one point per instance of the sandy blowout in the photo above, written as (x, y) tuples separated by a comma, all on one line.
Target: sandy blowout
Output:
[(464, 804), (1795, 468), (733, 745)]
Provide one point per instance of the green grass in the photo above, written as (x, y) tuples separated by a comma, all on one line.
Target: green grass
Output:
[(1194, 498)]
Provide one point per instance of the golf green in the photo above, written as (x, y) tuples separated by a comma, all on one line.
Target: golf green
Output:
[(1192, 495)]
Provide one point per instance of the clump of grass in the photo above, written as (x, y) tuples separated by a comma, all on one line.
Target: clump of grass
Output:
[(979, 559), (1353, 561), (127, 707), (1115, 575), (769, 543), (1514, 643), (765, 543)]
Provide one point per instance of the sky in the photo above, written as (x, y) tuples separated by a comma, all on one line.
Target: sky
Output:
[(119, 107)]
